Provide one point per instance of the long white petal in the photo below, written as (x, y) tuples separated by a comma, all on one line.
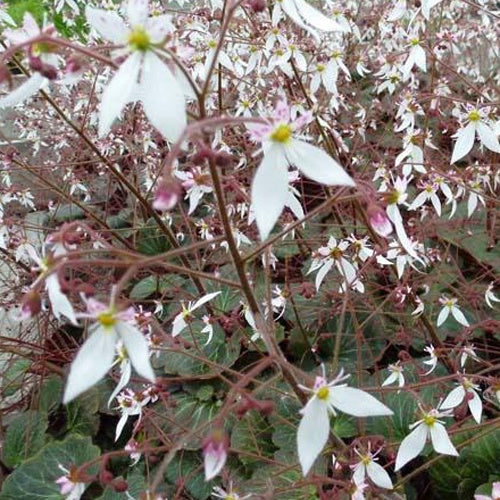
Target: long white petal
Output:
[(178, 325), (379, 475), (359, 474), (475, 405), (295, 206), (24, 91), (357, 402), (291, 10), (120, 425), (137, 349), (204, 300), (61, 306), (443, 315), (395, 216), (162, 97), (118, 92), (317, 165), (325, 268), (454, 398), (459, 316), (465, 141), (316, 18), (92, 362), (270, 190), (312, 434), (411, 446), (137, 12), (108, 24), (158, 27), (124, 380), (213, 464), (441, 441), (487, 137)]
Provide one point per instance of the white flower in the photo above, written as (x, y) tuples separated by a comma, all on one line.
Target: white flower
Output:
[(214, 453), (428, 427), (95, 357), (69, 484), (231, 494), (427, 5), (270, 184), (467, 350), (432, 362), (396, 375), (368, 466), (143, 76), (449, 305), (465, 136), (314, 426), (490, 297), (466, 390), (495, 493), (416, 57), (125, 370), (130, 404), (180, 321)]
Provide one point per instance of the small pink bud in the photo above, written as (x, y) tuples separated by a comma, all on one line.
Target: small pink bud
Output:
[(31, 304), (35, 63), (49, 71), (215, 453), (257, 5), (379, 221), (167, 195)]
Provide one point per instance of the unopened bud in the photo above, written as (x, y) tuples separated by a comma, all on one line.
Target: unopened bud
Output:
[(379, 221), (257, 5), (215, 453), (119, 485), (31, 304), (167, 195), (105, 476), (73, 65), (49, 71), (35, 63), (202, 155), (224, 159)]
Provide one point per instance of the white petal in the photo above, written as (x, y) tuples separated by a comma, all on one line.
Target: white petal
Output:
[(289, 7), (322, 273), (443, 315), (411, 446), (454, 398), (315, 18), (162, 97), (24, 91), (465, 141), (213, 464), (475, 405), (390, 379), (158, 27), (118, 92), (357, 402), (459, 316), (359, 474), (295, 206), (124, 380), (137, 12), (121, 425), (178, 325), (91, 363), (395, 216), (312, 434), (317, 165), (441, 441), (488, 138), (137, 349), (204, 300), (61, 306), (419, 57), (108, 24), (379, 475), (270, 190)]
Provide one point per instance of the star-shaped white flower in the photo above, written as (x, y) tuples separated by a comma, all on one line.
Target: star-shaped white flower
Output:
[(95, 357), (450, 305), (180, 321), (314, 426), (143, 76), (281, 149), (466, 390), (368, 466)]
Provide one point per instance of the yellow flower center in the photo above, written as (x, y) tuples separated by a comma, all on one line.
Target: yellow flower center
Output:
[(429, 420), (43, 48), (212, 44), (414, 42), (394, 79), (320, 68), (392, 197), (366, 460), (107, 319), (323, 393), (474, 116), (139, 39), (336, 253), (282, 133)]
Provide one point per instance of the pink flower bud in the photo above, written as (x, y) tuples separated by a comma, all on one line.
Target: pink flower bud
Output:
[(257, 5), (215, 453), (35, 63), (167, 195), (49, 71), (31, 304), (379, 221)]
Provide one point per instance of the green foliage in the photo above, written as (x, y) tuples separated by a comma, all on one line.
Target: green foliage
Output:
[(17, 9), (14, 376), (35, 478)]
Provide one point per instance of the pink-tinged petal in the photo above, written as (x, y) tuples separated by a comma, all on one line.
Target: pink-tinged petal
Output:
[(137, 12), (411, 446), (118, 92), (443, 315), (465, 141), (270, 189), (108, 24), (92, 362), (454, 398), (30, 25), (162, 97), (379, 475), (32, 85), (317, 165), (459, 316), (475, 405), (214, 459), (312, 434), (495, 492), (487, 137), (158, 27), (94, 307), (357, 402), (483, 497), (282, 111), (137, 349), (441, 441), (316, 18)]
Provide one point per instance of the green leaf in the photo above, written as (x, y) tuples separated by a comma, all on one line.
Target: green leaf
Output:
[(150, 240), (136, 486), (35, 478), (81, 414), (25, 436), (50, 394), (13, 377), (155, 285)]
